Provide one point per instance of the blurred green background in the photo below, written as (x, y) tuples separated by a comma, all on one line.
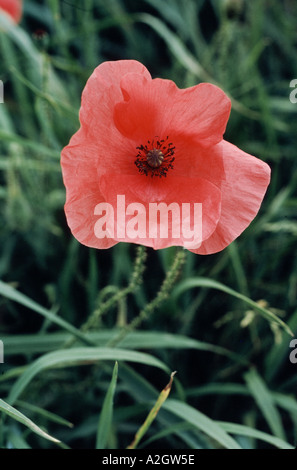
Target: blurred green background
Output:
[(235, 385)]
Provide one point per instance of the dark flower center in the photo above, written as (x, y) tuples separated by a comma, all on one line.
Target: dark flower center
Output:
[(155, 158)]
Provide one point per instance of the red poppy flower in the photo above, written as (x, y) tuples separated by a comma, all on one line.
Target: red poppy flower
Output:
[(13, 8), (144, 142)]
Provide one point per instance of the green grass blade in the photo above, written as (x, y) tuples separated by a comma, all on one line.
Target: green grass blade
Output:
[(15, 414), (12, 294), (264, 400), (188, 60), (242, 430), (209, 283), (106, 414), (201, 422), (15, 440), (18, 344), (183, 428), (279, 354), (232, 428), (29, 144), (144, 393), (42, 412), (176, 46), (152, 414), (288, 403), (77, 356), (19, 36)]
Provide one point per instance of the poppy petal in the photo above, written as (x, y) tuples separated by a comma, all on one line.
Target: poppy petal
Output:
[(79, 164), (100, 94), (13, 8), (193, 160), (176, 190), (243, 190), (97, 131), (159, 107)]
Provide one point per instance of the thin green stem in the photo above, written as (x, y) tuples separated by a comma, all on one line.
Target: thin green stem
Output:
[(119, 296), (136, 279), (161, 296)]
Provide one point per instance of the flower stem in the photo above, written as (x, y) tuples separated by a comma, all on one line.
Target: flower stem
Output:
[(136, 279), (162, 295)]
